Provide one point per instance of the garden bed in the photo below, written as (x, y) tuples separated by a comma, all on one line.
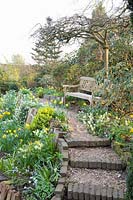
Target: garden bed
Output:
[(33, 160)]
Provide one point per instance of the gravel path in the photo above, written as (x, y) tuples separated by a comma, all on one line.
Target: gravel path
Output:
[(105, 178), (78, 130), (98, 154)]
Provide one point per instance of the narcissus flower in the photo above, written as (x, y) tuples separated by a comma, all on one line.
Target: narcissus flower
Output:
[(27, 126), (131, 130), (4, 136), (1, 116), (6, 113)]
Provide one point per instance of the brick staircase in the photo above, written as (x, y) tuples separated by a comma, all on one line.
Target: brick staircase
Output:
[(95, 171)]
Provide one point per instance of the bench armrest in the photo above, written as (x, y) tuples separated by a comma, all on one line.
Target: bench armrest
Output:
[(69, 86)]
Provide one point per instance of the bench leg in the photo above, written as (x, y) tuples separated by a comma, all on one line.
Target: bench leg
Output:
[(64, 100), (91, 102)]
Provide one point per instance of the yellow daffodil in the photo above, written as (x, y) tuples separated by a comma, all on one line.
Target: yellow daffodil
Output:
[(14, 131), (46, 129), (6, 113), (21, 140), (131, 116), (16, 136), (27, 126), (4, 136), (1, 116), (60, 102), (37, 142), (84, 104), (54, 101), (131, 130)]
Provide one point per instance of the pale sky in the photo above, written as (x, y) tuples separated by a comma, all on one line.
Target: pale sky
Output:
[(18, 17)]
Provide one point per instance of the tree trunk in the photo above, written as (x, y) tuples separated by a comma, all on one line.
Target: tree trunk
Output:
[(106, 59)]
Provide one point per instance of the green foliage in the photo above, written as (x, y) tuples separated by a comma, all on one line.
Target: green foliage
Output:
[(33, 161), (14, 77), (37, 161), (103, 123), (120, 46), (12, 136), (60, 120), (45, 53), (43, 118), (46, 80), (36, 153), (59, 73), (118, 93), (121, 130), (129, 193), (99, 12), (9, 101), (39, 92), (73, 74), (13, 111), (97, 121), (44, 181)]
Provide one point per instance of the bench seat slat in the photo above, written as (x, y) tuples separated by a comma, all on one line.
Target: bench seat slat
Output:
[(79, 95)]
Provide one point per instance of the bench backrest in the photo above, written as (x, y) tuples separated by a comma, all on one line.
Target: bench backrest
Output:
[(88, 84)]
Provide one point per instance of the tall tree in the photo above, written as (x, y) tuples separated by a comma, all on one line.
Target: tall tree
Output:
[(68, 29), (43, 51)]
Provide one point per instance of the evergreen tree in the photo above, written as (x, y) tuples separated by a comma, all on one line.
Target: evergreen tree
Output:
[(45, 52)]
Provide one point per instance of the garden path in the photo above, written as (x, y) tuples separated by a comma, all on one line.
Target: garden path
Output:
[(95, 171)]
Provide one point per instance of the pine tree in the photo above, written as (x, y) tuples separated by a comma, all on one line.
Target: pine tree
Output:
[(44, 52)]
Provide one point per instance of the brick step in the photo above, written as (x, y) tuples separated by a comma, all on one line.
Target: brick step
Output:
[(97, 177), (78, 142), (80, 191), (3, 177), (94, 158)]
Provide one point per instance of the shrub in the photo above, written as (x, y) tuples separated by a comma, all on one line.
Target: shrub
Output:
[(39, 92), (118, 94), (43, 118)]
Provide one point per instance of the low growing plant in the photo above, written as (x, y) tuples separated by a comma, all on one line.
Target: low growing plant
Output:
[(43, 118), (96, 120)]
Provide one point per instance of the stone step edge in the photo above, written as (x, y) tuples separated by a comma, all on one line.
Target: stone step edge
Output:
[(94, 143), (81, 191), (97, 165), (60, 187)]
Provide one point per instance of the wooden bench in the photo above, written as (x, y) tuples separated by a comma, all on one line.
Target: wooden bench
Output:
[(84, 90)]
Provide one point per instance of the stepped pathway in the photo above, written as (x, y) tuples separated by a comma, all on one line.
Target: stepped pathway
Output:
[(95, 171)]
